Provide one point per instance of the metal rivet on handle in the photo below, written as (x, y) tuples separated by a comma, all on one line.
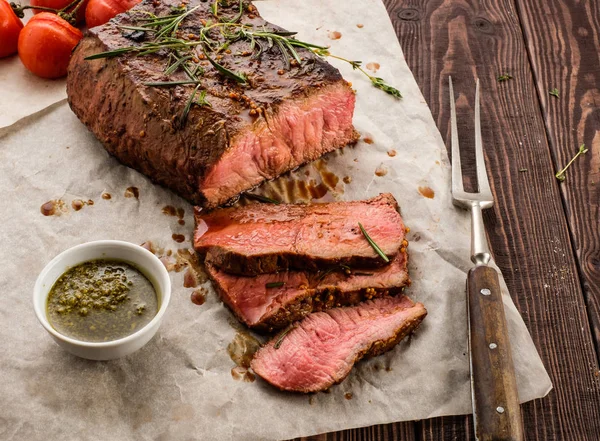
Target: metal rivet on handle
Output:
[(485, 292), (500, 409), (493, 345)]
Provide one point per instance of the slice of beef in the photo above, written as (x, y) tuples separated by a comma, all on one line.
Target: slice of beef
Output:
[(321, 350), (264, 304), (265, 238), (280, 119)]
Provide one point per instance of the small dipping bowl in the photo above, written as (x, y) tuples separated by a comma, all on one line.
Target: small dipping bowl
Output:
[(127, 252)]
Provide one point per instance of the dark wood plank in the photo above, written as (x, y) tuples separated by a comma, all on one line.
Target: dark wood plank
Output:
[(382, 432), (527, 228), (563, 41)]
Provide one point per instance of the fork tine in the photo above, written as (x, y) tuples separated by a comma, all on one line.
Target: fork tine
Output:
[(457, 181), (482, 178)]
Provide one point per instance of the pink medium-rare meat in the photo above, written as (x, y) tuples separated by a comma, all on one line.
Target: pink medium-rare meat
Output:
[(263, 304), (265, 238), (321, 350), (282, 117)]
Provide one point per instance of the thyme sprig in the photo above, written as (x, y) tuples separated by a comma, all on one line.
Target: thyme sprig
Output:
[(373, 244), (561, 174), (554, 92), (378, 82)]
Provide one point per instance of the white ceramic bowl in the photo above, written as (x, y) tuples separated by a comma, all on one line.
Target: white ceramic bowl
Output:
[(141, 258)]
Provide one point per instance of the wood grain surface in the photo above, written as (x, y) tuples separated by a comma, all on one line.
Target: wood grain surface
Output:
[(564, 49), (545, 235)]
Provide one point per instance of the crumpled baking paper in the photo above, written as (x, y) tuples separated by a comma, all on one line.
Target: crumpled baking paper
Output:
[(180, 385)]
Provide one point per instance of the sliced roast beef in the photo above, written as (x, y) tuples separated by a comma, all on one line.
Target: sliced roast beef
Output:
[(272, 301), (321, 350), (265, 238), (284, 115)]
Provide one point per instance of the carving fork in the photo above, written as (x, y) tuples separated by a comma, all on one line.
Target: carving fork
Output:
[(496, 410)]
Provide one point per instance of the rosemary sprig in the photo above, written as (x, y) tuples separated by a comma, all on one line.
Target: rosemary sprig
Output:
[(214, 38), (169, 83), (373, 244), (239, 77), (274, 284), (282, 336), (561, 174), (262, 198), (554, 92)]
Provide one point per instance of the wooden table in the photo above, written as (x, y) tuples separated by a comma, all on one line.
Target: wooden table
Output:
[(545, 234)]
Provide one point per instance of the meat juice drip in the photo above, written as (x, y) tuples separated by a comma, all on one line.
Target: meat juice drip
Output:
[(381, 171), (392, 153), (132, 192), (348, 395), (304, 185), (198, 296), (53, 207), (368, 140), (179, 238), (334, 35), (241, 350), (373, 67), (169, 210), (189, 278), (427, 192), (77, 204), (106, 196)]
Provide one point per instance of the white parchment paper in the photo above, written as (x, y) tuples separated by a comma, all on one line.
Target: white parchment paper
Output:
[(180, 386)]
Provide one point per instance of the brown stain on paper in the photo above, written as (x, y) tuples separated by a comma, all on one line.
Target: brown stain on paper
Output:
[(427, 192), (334, 35), (373, 67), (241, 350)]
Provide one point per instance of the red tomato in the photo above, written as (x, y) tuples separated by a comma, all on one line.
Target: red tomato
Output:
[(99, 12), (59, 4), (45, 45), (10, 26)]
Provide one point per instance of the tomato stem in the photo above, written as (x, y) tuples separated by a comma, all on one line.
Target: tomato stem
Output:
[(71, 17)]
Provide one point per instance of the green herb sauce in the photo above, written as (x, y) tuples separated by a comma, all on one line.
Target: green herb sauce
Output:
[(101, 300)]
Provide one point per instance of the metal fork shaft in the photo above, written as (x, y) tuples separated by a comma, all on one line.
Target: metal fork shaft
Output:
[(480, 252)]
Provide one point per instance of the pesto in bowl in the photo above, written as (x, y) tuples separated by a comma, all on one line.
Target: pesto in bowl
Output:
[(101, 300)]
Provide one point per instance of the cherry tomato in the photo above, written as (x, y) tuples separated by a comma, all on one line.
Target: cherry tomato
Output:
[(45, 45), (99, 12), (60, 4), (10, 27)]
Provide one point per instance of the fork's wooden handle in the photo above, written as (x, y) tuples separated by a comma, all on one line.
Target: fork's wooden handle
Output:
[(493, 384)]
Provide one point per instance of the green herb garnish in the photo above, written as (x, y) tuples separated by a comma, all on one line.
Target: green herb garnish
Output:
[(282, 336), (504, 77), (554, 92), (561, 174), (373, 244), (379, 83), (262, 198), (274, 284), (182, 51)]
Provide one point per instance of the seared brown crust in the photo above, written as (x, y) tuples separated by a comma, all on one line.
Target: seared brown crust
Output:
[(139, 124), (376, 348), (237, 260), (314, 299)]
